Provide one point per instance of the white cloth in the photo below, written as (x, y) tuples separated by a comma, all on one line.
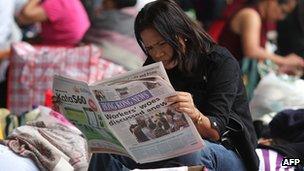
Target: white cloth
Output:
[(9, 31), (11, 161)]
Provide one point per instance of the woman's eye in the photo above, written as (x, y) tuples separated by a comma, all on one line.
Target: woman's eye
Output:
[(162, 43), (148, 48)]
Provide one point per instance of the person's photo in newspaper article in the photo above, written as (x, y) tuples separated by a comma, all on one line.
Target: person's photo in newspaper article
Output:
[(154, 126), (122, 92), (99, 95), (151, 85)]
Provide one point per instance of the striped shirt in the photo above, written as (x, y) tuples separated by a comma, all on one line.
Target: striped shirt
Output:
[(271, 161)]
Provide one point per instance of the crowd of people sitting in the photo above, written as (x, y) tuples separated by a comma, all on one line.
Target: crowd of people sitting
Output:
[(207, 43)]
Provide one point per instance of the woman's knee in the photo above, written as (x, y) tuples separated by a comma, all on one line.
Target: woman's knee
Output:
[(217, 157)]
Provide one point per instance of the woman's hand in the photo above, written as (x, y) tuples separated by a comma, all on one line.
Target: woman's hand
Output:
[(293, 60), (183, 102), (291, 70), (292, 64)]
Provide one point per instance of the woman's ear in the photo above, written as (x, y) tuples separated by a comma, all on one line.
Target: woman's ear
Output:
[(182, 42)]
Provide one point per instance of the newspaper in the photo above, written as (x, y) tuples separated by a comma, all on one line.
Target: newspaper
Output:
[(128, 115)]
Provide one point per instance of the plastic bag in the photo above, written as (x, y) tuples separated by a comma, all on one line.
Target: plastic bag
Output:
[(275, 93)]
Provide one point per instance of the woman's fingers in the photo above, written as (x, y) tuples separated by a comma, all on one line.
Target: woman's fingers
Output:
[(177, 98), (181, 105), (180, 97), (185, 110)]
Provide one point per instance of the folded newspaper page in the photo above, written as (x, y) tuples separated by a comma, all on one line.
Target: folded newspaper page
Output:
[(128, 115), (79, 106)]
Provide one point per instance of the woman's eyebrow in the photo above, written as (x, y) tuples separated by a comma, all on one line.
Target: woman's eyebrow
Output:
[(155, 44)]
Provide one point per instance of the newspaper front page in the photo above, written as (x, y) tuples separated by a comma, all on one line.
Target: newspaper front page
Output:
[(128, 115), (79, 106), (133, 107)]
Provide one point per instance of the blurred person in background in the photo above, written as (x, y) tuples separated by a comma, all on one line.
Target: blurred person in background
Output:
[(291, 35), (291, 32), (9, 33), (188, 7), (245, 32), (63, 22), (207, 11), (91, 7), (112, 29)]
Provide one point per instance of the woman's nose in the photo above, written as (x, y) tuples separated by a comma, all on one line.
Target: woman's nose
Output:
[(158, 54)]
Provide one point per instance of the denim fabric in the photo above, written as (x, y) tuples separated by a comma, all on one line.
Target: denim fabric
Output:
[(214, 156), (106, 162)]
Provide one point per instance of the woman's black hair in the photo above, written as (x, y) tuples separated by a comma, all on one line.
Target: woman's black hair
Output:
[(173, 24)]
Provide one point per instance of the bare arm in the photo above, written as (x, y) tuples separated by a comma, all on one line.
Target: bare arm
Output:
[(249, 29), (31, 13)]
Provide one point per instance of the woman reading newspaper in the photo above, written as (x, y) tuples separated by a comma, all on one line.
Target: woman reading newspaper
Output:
[(210, 90)]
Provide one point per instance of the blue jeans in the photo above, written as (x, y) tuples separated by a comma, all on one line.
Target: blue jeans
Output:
[(213, 156)]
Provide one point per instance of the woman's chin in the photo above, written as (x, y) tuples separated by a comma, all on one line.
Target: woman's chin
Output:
[(169, 65)]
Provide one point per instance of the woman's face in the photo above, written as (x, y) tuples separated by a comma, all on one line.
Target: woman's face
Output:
[(278, 11), (158, 48)]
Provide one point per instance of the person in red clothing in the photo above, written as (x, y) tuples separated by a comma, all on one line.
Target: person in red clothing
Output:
[(63, 22), (245, 32)]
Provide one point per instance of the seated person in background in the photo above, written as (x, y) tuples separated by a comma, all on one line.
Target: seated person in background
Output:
[(112, 30), (209, 88), (291, 32), (63, 22), (208, 11), (245, 33)]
